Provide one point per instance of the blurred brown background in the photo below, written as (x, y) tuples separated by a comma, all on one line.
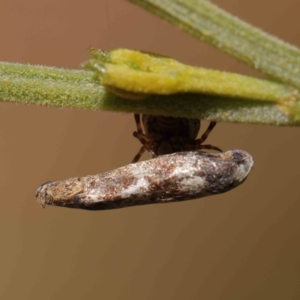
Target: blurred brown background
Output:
[(244, 244)]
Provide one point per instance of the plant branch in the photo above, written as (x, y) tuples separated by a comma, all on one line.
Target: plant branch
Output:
[(185, 91), (204, 20), (78, 89)]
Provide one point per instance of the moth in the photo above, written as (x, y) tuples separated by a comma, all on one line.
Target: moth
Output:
[(168, 178), (165, 135)]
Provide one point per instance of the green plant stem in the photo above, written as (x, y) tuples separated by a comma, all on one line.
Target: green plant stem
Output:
[(220, 96), (206, 21), (49, 86), (78, 89)]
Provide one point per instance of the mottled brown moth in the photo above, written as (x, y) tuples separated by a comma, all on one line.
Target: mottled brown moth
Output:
[(166, 135), (168, 178)]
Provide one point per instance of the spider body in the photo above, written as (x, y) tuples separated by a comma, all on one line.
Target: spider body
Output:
[(166, 135)]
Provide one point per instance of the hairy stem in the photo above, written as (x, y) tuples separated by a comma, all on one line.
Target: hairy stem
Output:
[(204, 20)]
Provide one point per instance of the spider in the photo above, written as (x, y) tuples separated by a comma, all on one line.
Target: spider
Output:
[(165, 135)]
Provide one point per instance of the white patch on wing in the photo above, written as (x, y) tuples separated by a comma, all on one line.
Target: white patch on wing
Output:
[(134, 189), (192, 184)]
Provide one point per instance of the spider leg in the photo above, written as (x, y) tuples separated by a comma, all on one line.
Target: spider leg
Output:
[(139, 134), (137, 118), (210, 147), (204, 136), (141, 137), (139, 155), (198, 143)]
